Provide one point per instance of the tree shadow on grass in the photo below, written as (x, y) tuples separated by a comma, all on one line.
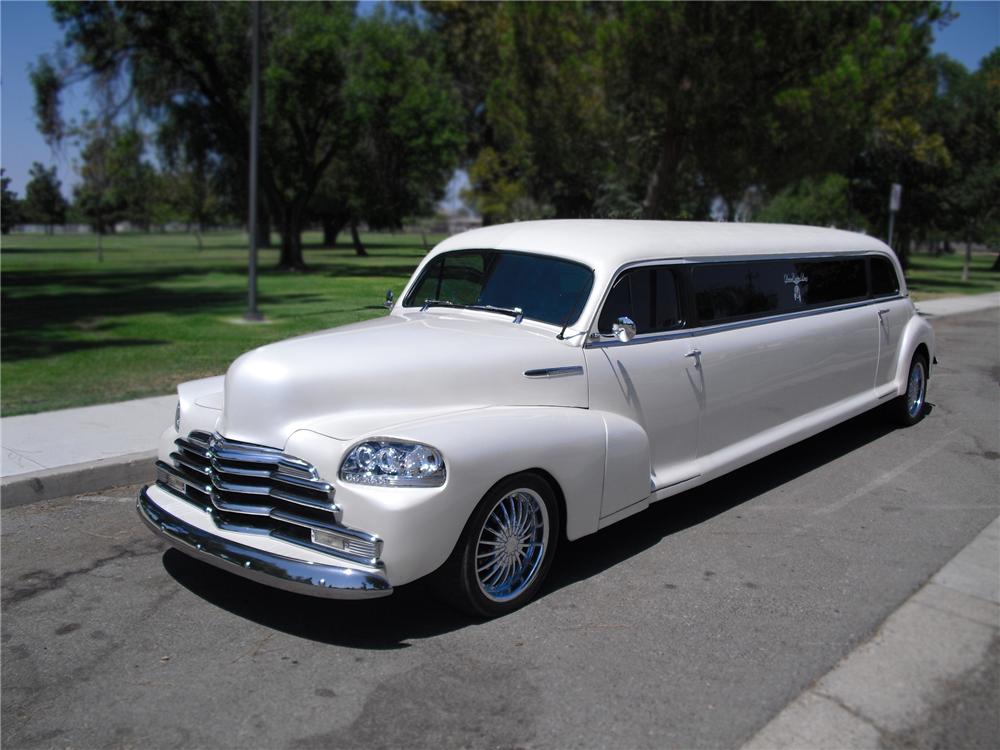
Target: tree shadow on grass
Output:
[(40, 323), (412, 613)]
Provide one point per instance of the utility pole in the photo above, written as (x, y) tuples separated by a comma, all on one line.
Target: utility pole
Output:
[(252, 312), (895, 198)]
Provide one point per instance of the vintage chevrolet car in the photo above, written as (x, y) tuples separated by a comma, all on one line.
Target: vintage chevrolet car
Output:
[(534, 382)]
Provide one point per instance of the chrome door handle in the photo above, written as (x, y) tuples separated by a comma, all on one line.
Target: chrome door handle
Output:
[(693, 353), (883, 312)]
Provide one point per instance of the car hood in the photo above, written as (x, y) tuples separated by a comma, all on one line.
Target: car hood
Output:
[(350, 381)]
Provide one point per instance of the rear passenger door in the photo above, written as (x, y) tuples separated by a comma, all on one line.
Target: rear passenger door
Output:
[(650, 379), (771, 353)]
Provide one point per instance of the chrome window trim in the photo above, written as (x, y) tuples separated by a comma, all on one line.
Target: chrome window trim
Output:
[(597, 340), (720, 327)]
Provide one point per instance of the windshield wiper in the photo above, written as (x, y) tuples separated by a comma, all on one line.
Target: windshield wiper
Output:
[(517, 312)]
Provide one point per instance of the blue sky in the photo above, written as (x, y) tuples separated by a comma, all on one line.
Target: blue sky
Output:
[(27, 30)]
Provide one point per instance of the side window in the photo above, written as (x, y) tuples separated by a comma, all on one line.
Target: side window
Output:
[(736, 291), (731, 291), (831, 282), (884, 280), (648, 296)]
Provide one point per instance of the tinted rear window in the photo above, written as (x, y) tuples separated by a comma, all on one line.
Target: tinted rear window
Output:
[(734, 291)]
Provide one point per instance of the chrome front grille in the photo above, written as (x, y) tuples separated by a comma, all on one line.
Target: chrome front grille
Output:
[(257, 489)]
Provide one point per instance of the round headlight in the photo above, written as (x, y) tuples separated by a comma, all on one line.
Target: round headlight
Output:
[(392, 463)]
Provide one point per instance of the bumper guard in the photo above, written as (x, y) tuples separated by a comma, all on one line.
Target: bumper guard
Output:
[(298, 576)]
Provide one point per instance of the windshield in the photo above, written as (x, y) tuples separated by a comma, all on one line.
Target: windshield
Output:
[(547, 289)]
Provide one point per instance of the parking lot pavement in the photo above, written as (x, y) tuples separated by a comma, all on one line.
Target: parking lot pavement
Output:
[(689, 625)]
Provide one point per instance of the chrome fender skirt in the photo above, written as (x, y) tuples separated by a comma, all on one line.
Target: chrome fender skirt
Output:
[(298, 576)]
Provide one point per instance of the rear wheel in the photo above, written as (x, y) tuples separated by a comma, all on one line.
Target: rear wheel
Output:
[(505, 550), (911, 407)]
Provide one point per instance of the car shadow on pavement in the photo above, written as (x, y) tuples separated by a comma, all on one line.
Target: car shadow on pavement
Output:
[(411, 612)]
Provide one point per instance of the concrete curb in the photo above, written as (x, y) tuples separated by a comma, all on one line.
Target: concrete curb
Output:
[(92, 476), (938, 638)]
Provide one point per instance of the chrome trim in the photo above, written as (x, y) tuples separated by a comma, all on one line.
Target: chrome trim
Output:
[(554, 372), (512, 544), (298, 576), (735, 325), (623, 329), (258, 489), (391, 481)]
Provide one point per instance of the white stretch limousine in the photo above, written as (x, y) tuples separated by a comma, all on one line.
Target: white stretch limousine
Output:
[(536, 381)]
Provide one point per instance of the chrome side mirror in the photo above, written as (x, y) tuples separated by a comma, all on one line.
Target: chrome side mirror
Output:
[(388, 299), (623, 329)]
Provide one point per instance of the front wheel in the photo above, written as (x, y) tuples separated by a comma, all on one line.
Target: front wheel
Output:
[(505, 550), (911, 407)]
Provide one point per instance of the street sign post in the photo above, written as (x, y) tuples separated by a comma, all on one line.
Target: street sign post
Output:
[(895, 199)]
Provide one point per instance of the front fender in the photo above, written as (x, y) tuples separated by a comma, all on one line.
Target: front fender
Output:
[(578, 448)]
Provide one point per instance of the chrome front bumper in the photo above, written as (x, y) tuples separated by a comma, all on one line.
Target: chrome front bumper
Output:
[(299, 576)]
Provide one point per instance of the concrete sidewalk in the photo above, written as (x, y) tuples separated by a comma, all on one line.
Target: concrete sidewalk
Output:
[(91, 448), (95, 447), (945, 306), (918, 682)]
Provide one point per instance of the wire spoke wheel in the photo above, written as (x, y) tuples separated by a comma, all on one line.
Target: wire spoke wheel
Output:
[(512, 545), (916, 389)]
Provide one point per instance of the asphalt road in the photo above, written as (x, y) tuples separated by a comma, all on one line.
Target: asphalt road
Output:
[(689, 625)]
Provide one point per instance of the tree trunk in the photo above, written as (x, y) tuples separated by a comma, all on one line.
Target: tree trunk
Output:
[(263, 227), (291, 241), (100, 245), (902, 247), (359, 248), (197, 235), (661, 197), (331, 228), (968, 260)]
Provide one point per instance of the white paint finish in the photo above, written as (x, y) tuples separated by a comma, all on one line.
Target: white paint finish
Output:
[(762, 377), (653, 384), (420, 526), (87, 434), (891, 326), (352, 379), (626, 465)]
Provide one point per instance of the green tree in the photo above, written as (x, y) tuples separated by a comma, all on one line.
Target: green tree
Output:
[(115, 183), (44, 202), (189, 62), (823, 201), (10, 209), (656, 108), (404, 125)]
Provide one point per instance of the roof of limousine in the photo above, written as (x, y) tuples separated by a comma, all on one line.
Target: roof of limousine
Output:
[(608, 244)]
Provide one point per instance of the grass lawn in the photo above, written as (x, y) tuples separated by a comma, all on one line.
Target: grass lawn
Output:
[(157, 311), (929, 276)]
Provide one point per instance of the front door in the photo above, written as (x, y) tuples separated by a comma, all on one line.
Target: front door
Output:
[(650, 379)]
